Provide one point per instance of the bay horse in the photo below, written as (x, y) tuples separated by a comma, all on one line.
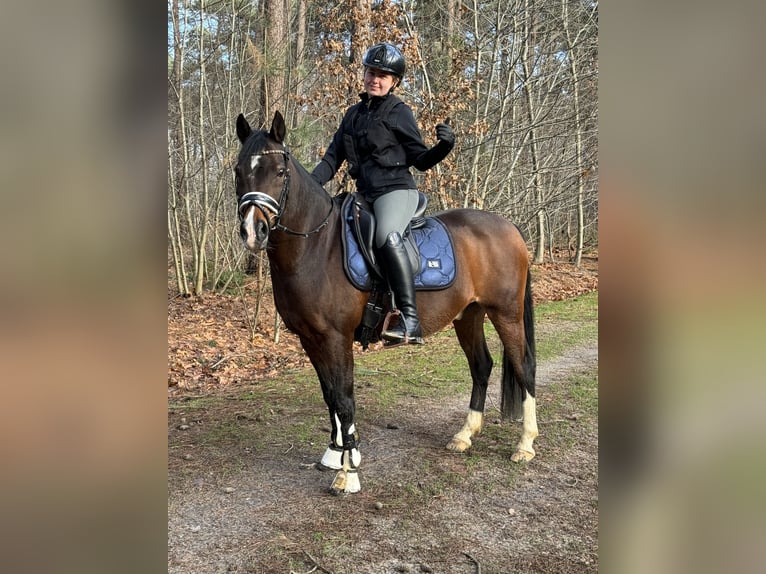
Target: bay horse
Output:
[(283, 210)]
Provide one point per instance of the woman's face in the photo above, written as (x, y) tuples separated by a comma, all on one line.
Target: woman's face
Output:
[(378, 82)]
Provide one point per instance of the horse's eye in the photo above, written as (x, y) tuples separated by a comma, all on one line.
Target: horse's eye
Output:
[(281, 172)]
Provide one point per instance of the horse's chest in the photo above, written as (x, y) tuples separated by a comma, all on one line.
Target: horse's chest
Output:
[(300, 299)]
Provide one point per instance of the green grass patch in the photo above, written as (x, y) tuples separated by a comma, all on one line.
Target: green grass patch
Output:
[(438, 370), (560, 325), (581, 309), (567, 406), (192, 404)]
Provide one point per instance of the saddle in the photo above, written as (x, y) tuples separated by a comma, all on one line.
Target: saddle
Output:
[(364, 225), (428, 245)]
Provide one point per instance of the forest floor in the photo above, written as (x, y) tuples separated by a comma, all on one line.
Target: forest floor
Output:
[(244, 495)]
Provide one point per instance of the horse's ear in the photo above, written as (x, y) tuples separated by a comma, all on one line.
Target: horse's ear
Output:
[(243, 128), (278, 127)]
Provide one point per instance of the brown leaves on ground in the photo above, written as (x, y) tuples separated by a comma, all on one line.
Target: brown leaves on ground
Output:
[(559, 281), (211, 342)]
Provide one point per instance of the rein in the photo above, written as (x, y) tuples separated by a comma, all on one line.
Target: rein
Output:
[(268, 205)]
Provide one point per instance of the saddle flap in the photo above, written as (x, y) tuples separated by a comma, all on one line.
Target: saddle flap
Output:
[(364, 230)]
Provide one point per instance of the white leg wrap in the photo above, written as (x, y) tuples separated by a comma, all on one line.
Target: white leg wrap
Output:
[(356, 458), (345, 462), (332, 458)]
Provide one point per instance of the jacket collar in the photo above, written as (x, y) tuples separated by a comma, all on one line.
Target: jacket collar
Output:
[(373, 101)]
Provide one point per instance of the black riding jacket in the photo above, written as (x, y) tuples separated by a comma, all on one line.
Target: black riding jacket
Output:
[(380, 140)]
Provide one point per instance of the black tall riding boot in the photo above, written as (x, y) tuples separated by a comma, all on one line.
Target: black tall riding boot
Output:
[(396, 265)]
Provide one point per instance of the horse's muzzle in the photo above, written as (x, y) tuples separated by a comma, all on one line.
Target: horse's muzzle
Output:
[(254, 230)]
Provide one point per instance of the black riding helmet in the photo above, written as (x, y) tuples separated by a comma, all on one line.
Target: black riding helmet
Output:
[(386, 57)]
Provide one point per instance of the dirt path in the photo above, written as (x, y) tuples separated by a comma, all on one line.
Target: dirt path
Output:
[(421, 509)]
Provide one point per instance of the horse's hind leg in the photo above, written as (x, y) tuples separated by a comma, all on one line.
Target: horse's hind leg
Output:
[(518, 379), (470, 332)]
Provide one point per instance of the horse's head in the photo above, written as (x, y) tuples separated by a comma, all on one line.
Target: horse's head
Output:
[(261, 180)]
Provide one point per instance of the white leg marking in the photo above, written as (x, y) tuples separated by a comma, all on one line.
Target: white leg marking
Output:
[(524, 450), (473, 424), (346, 481)]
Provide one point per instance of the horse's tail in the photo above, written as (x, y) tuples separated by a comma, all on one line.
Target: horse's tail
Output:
[(514, 388)]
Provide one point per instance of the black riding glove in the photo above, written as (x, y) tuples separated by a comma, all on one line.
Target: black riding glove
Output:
[(445, 133), (430, 158)]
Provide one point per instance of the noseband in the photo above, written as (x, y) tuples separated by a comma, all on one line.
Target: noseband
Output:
[(270, 207)]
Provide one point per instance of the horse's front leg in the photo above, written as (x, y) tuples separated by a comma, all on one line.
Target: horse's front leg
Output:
[(334, 365), (343, 455)]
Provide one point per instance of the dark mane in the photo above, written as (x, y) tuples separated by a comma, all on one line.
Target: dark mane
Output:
[(306, 177)]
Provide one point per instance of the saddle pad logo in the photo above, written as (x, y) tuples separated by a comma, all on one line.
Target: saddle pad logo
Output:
[(434, 264)]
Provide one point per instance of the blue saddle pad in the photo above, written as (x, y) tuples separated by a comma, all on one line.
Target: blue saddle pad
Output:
[(437, 257)]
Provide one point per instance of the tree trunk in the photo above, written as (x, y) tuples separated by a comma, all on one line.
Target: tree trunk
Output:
[(178, 174), (581, 171), (273, 90), (201, 263), (528, 66)]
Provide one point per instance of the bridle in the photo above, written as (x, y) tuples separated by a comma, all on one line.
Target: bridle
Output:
[(270, 208)]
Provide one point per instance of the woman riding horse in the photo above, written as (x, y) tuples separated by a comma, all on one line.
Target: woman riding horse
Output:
[(379, 139)]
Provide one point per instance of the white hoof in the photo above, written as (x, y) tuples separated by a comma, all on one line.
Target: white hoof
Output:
[(458, 444), (522, 456), (346, 482)]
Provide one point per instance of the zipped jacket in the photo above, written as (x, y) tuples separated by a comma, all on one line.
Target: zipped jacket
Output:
[(379, 139)]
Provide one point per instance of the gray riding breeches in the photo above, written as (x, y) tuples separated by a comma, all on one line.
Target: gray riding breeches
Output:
[(393, 212)]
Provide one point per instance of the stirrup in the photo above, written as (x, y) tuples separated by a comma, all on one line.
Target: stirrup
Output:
[(398, 335), (388, 343)]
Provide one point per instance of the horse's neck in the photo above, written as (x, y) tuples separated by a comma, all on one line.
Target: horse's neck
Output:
[(305, 211), (312, 201)]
